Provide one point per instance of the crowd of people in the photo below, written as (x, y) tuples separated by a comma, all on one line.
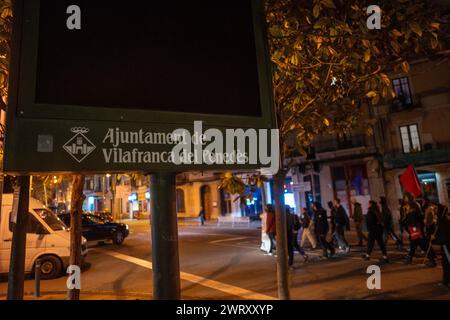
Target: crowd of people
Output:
[(425, 222)]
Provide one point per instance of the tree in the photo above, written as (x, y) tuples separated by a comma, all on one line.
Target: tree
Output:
[(76, 210), (5, 49), (329, 68), (5, 54), (43, 188)]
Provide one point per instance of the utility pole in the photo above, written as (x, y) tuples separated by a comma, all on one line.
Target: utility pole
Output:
[(76, 210), (165, 257), (19, 220), (281, 236)]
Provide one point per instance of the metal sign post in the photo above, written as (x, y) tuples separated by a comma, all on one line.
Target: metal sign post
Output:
[(16, 274), (166, 265)]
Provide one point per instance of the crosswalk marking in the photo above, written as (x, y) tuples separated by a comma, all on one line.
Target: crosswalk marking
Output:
[(229, 239), (216, 285)]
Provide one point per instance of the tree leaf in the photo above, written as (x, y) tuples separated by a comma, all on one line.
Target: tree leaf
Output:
[(414, 26), (367, 55), (405, 66), (328, 4), (316, 10), (384, 77), (435, 25), (396, 33), (371, 94)]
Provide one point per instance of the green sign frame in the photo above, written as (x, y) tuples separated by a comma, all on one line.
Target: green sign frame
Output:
[(32, 127)]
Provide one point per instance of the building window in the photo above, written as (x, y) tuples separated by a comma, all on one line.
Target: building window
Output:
[(410, 138), (402, 91), (227, 203), (180, 201)]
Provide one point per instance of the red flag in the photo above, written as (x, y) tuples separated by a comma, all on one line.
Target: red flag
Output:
[(410, 181)]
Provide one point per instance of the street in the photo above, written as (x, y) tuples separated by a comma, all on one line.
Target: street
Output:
[(225, 263)]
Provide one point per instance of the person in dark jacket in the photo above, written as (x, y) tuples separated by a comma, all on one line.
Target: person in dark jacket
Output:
[(293, 225), (271, 227), (342, 223), (358, 218), (388, 224), (332, 219), (202, 216), (321, 228), (442, 237), (414, 221), (374, 223)]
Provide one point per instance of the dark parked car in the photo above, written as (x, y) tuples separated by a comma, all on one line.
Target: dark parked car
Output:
[(95, 229)]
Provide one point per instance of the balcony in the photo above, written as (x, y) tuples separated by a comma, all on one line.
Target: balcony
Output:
[(355, 141), (352, 147), (397, 105), (430, 154)]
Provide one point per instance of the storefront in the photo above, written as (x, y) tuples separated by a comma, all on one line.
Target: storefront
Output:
[(351, 182), (429, 185)]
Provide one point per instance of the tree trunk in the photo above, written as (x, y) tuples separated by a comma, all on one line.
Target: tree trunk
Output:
[(114, 210), (281, 236), (45, 194), (76, 211)]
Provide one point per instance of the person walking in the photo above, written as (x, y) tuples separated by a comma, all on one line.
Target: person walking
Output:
[(202, 216), (388, 224), (442, 237), (332, 219), (321, 228), (374, 222), (414, 221), (401, 221), (358, 218), (430, 219), (271, 228), (293, 225), (307, 233), (342, 224)]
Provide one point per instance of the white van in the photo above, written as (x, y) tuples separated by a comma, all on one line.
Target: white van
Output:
[(48, 239)]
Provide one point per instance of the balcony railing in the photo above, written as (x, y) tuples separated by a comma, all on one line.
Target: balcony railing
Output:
[(355, 141), (430, 154), (397, 105)]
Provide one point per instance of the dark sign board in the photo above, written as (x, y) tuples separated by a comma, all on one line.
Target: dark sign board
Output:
[(85, 70)]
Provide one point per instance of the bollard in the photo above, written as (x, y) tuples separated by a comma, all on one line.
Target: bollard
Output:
[(37, 279)]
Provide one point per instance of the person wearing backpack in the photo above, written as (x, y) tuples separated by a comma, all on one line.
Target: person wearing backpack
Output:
[(374, 221), (293, 225), (321, 228), (414, 221)]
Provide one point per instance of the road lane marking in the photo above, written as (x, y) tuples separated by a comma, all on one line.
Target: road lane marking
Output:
[(229, 239), (216, 285), (187, 233)]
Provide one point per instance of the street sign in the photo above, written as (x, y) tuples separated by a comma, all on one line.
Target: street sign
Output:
[(96, 87), (302, 187)]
